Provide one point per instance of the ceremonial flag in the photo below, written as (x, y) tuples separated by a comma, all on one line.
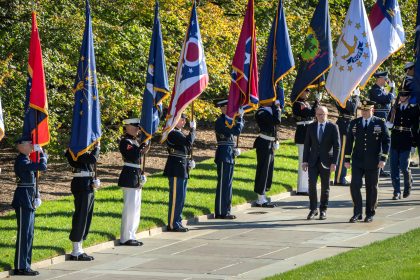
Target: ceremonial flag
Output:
[(417, 38), (86, 126), (354, 55), (243, 91), (278, 60), (191, 77), (157, 86), (1, 122), (316, 57), (388, 32), (35, 125), (417, 59)]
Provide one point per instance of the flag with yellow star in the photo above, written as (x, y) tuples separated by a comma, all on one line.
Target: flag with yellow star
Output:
[(86, 126), (354, 55)]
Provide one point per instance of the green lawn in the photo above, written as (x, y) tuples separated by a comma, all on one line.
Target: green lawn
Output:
[(53, 218), (394, 258)]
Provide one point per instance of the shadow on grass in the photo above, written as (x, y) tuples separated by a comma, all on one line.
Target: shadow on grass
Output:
[(4, 266)]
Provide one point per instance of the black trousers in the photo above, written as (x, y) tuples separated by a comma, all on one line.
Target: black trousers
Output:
[(371, 184), (264, 174), (324, 174), (82, 217)]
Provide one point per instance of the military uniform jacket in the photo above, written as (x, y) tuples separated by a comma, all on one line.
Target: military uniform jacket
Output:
[(86, 163), (347, 114), (405, 127), (179, 148), (130, 150), (370, 145), (25, 176), (267, 118), (409, 86), (225, 140), (382, 99), (303, 112)]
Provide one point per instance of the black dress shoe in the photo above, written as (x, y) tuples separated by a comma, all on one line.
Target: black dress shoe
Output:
[(26, 272), (396, 196), (180, 229), (368, 219), (384, 174), (82, 258), (132, 243), (225, 217), (265, 205), (302, 193), (312, 214), (356, 218), (406, 194), (323, 215)]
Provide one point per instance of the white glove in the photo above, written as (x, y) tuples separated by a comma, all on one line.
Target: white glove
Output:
[(143, 180), (96, 183), (241, 112), (37, 201), (318, 96), (277, 103), (356, 92), (193, 125), (389, 125), (391, 84), (276, 145), (37, 148), (237, 152), (191, 164)]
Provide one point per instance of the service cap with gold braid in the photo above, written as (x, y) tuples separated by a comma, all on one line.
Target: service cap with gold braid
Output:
[(366, 105)]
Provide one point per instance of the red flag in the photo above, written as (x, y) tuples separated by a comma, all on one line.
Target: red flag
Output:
[(243, 90)]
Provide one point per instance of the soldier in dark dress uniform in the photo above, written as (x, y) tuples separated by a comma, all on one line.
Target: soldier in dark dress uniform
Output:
[(267, 117), (403, 120), (345, 116), (83, 185), (304, 115), (225, 161), (177, 170), (25, 201), (131, 181), (371, 142), (408, 83)]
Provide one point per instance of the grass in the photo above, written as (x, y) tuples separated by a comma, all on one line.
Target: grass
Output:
[(394, 258), (53, 218)]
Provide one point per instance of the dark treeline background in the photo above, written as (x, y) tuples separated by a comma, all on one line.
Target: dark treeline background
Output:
[(122, 30)]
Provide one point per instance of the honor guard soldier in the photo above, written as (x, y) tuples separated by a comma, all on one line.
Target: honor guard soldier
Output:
[(177, 170), (25, 201), (367, 149), (304, 115), (267, 117), (225, 161), (408, 83), (131, 181), (403, 121), (345, 116), (83, 186)]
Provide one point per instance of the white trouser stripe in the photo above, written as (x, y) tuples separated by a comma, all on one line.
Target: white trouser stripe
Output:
[(20, 236), (220, 191)]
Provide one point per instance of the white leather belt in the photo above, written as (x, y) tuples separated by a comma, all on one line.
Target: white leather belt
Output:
[(304, 122), (132, 165), (84, 174), (266, 137)]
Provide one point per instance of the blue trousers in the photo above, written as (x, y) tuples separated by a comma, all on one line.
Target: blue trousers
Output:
[(223, 201), (371, 185), (399, 161), (25, 236), (177, 193)]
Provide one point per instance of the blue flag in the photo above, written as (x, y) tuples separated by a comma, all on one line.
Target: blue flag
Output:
[(157, 85), (417, 59), (86, 126), (278, 60), (317, 55)]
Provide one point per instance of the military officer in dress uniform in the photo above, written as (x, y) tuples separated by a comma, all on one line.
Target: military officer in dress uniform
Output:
[(345, 116), (131, 181), (83, 185), (304, 115), (403, 121), (267, 117), (408, 83), (177, 170), (383, 100), (371, 142), (25, 201), (225, 161)]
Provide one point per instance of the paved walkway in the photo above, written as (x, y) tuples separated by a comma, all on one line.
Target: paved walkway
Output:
[(260, 243)]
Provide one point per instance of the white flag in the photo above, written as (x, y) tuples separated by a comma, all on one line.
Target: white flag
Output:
[(388, 32), (1, 122), (354, 56)]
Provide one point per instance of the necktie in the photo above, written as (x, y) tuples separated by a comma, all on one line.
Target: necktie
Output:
[(321, 132), (366, 124)]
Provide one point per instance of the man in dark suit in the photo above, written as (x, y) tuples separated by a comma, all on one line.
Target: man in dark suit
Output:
[(320, 156), (368, 155)]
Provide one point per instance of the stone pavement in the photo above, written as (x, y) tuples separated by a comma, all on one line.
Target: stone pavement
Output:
[(260, 243)]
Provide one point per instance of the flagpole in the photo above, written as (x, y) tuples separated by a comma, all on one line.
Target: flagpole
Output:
[(192, 119)]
